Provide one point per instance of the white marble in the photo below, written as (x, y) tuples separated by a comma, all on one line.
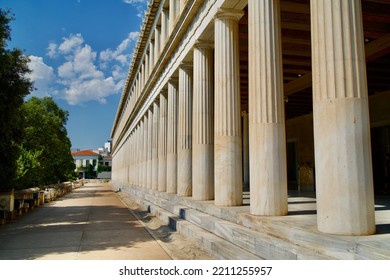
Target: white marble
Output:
[(155, 164), (149, 149), (164, 27), (203, 123), (228, 145), (157, 43), (172, 137), (245, 148), (267, 140), (174, 6), (162, 143), (344, 183), (145, 152), (184, 132)]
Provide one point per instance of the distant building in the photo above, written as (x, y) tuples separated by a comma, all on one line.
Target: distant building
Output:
[(108, 146), (83, 159)]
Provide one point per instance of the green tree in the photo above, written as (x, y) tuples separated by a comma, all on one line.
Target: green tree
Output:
[(46, 146), (14, 86)]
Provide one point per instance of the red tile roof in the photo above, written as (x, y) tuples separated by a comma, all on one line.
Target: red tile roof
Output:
[(85, 153)]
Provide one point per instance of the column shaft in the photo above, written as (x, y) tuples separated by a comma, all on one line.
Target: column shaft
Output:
[(172, 138), (162, 142), (151, 57), (245, 149), (149, 147), (184, 133), (228, 146), (267, 140), (174, 6), (156, 119), (203, 124), (157, 43), (345, 197), (164, 27), (144, 150)]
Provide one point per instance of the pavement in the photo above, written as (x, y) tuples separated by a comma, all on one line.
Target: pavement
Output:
[(90, 223)]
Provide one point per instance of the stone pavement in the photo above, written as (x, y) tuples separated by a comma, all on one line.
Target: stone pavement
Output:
[(89, 223)]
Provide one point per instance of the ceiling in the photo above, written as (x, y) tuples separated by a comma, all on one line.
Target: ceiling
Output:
[(296, 48)]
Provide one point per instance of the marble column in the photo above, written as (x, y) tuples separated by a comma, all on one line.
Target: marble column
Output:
[(245, 149), (164, 27), (142, 77), (151, 56), (172, 137), (145, 152), (156, 119), (174, 6), (149, 147), (162, 143), (345, 197), (267, 140), (147, 69), (182, 5), (157, 43), (203, 122), (228, 146), (136, 156), (184, 132)]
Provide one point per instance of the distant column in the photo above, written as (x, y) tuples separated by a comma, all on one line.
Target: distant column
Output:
[(228, 146), (184, 141), (137, 153), (164, 27), (149, 143), (344, 183), (172, 137), (144, 149), (174, 6), (203, 123), (156, 120), (162, 143), (157, 43), (151, 56)]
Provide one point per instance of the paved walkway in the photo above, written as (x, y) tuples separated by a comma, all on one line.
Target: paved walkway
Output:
[(89, 223)]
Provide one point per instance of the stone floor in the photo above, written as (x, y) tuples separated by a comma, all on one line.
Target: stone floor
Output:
[(91, 223)]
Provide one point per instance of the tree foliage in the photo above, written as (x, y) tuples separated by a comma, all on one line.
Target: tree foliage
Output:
[(14, 86), (45, 145), (34, 146)]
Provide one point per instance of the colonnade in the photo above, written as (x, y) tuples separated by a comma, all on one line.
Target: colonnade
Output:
[(189, 142)]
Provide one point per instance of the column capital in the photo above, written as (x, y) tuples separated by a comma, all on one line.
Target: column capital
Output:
[(185, 65), (156, 101), (173, 80), (204, 44), (229, 13)]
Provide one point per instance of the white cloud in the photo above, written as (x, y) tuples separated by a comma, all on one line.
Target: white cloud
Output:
[(71, 43), (79, 91), (140, 5), (122, 53), (135, 1), (84, 75), (52, 50), (42, 75)]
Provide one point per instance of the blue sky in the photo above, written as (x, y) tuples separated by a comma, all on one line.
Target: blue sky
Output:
[(80, 52)]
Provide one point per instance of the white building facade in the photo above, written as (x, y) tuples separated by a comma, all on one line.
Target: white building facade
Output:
[(205, 109)]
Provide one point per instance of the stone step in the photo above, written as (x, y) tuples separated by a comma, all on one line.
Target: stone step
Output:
[(216, 246), (289, 237), (218, 233)]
